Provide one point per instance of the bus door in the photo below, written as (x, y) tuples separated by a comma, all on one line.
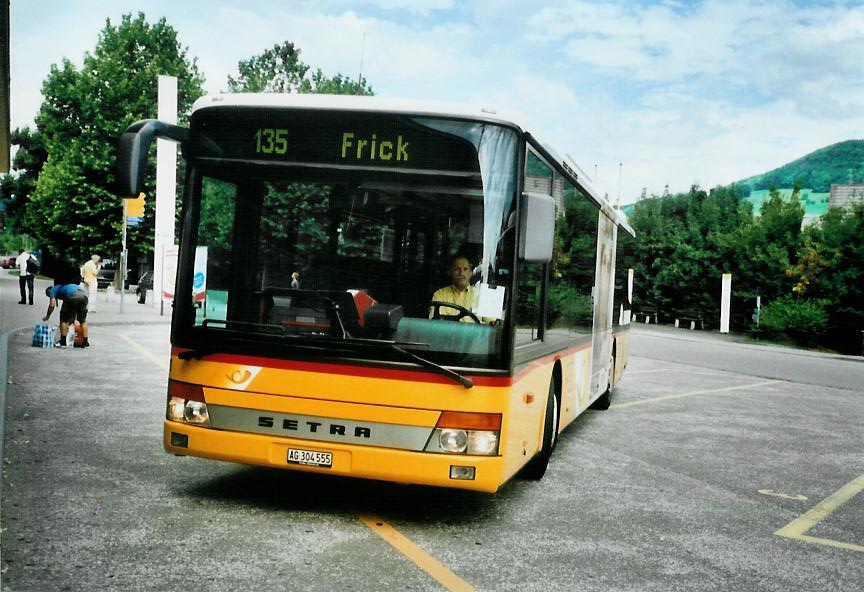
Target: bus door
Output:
[(603, 290)]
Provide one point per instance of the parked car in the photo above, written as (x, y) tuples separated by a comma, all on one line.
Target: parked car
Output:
[(105, 277), (7, 262), (145, 282)]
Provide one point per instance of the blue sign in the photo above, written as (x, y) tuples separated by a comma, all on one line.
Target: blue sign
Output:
[(134, 220), (198, 280)]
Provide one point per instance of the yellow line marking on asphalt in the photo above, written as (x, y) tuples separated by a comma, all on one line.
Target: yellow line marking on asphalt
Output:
[(693, 394), (158, 361), (421, 558), (813, 516)]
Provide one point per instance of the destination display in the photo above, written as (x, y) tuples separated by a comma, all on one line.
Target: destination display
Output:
[(325, 137)]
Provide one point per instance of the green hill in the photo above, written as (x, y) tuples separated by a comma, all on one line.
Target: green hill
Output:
[(815, 204), (816, 172), (838, 163)]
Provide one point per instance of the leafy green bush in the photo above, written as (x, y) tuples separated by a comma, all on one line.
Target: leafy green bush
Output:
[(568, 308), (801, 320)]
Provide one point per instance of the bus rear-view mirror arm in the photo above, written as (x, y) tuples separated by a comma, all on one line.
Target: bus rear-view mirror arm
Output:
[(132, 152), (536, 227)]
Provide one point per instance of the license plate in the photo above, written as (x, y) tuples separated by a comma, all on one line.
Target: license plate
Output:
[(312, 458)]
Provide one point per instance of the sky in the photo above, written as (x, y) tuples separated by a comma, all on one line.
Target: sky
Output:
[(647, 94)]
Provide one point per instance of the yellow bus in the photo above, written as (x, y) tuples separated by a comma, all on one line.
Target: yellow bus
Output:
[(316, 230)]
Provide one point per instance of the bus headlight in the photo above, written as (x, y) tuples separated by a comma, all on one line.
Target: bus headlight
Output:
[(186, 403), (453, 440), (175, 409), (459, 432), (187, 411), (482, 442), (196, 412)]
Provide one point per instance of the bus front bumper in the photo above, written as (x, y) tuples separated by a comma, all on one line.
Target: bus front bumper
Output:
[(367, 462)]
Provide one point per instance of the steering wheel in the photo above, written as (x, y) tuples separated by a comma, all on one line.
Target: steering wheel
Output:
[(437, 305)]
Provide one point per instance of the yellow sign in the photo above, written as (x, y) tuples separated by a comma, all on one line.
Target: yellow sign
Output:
[(135, 207)]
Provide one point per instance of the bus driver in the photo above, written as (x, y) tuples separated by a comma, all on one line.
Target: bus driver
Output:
[(459, 292)]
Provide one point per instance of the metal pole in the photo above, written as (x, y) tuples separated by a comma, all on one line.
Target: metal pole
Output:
[(162, 281), (122, 270)]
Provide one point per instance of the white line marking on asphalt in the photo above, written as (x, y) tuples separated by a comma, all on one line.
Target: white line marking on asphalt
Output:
[(693, 394), (783, 495)]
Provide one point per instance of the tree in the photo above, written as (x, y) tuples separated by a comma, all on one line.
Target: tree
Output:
[(767, 248), (279, 70), (829, 266), (74, 210), (16, 187)]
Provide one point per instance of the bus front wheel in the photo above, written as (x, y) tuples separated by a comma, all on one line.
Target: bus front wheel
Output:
[(536, 467)]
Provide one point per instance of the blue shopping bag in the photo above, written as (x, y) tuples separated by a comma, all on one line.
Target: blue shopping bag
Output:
[(43, 336)]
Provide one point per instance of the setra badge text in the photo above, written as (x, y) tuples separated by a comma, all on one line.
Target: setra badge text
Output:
[(314, 427)]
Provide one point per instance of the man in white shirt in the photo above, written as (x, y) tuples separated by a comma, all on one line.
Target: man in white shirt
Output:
[(25, 278)]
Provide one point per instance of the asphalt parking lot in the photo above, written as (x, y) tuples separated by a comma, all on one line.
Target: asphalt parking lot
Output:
[(699, 477)]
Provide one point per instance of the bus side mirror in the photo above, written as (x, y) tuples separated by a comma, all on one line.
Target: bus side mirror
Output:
[(536, 228), (132, 152)]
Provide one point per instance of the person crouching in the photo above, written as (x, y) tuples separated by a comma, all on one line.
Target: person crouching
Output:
[(74, 308)]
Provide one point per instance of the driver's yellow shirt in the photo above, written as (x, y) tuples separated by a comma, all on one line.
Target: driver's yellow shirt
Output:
[(466, 298)]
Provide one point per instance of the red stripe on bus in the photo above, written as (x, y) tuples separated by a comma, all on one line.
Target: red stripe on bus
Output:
[(345, 369), (545, 360), (384, 373)]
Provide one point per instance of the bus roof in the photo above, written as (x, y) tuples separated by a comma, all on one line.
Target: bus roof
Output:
[(414, 107), (370, 104)]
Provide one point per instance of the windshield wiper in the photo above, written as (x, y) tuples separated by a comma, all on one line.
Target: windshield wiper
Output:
[(394, 345), (466, 382), (200, 352), (196, 353)]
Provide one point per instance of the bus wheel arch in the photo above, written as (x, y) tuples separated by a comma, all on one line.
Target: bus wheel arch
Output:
[(536, 467), (603, 401)]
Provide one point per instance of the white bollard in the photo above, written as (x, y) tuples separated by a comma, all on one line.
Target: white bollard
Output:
[(725, 302), (692, 325), (676, 323), (109, 293)]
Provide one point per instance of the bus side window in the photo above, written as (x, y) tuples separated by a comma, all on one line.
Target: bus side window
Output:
[(571, 303), (528, 306)]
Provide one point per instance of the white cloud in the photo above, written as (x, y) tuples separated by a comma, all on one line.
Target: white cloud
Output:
[(421, 7)]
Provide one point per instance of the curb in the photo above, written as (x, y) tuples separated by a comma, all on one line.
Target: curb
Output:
[(4, 381), (706, 336)]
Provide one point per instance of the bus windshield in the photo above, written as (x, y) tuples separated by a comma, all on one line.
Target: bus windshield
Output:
[(330, 237)]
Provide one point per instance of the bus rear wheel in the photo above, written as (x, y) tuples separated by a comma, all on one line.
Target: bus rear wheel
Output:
[(536, 467)]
